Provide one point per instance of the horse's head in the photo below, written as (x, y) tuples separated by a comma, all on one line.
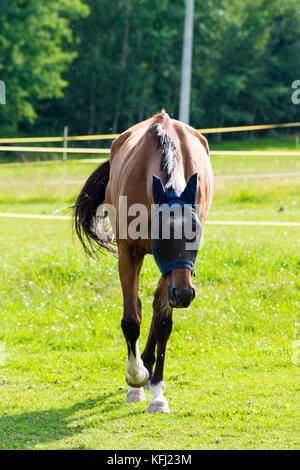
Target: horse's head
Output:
[(175, 238)]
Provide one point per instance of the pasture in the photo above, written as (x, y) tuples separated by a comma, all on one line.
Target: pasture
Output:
[(231, 382)]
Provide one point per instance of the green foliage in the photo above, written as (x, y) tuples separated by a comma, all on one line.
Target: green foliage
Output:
[(128, 64), (245, 57), (33, 55), (101, 66), (254, 57)]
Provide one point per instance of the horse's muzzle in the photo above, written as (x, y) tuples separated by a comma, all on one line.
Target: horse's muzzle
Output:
[(180, 297)]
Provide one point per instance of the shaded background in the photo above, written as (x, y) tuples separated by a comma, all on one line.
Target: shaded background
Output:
[(99, 66)]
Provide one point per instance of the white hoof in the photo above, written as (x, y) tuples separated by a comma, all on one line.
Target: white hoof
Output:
[(138, 380), (135, 394), (158, 403), (158, 407)]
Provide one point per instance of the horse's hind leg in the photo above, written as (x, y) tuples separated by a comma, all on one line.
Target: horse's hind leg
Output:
[(160, 331), (130, 263)]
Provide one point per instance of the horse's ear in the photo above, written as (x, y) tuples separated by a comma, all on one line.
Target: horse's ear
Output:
[(157, 189), (190, 192)]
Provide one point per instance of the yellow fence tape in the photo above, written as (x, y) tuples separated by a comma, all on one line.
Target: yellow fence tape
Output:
[(258, 127), (209, 222), (274, 153), (107, 150), (52, 149), (113, 136), (58, 139)]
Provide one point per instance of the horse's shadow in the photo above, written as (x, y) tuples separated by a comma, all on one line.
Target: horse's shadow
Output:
[(27, 430)]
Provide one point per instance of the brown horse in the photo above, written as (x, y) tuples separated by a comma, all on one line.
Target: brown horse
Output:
[(150, 163)]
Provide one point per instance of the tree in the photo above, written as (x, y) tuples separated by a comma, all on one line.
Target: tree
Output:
[(33, 56), (254, 57), (128, 63), (127, 68)]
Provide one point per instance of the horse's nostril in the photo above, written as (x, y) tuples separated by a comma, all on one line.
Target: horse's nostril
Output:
[(174, 293), (181, 297)]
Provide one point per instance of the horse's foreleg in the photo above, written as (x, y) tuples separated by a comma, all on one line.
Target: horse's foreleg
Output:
[(148, 355), (130, 263), (160, 331)]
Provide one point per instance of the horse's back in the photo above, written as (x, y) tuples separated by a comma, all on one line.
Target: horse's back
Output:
[(131, 157), (136, 155)]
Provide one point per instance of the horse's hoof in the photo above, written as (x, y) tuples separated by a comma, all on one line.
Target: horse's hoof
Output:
[(135, 394), (138, 381), (158, 407)]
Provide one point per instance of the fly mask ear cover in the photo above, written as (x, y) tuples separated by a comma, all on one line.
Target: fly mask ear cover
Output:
[(176, 228)]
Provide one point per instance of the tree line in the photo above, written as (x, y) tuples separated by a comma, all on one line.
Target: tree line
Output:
[(100, 66)]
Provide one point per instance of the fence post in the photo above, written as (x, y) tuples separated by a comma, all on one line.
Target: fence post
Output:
[(65, 156)]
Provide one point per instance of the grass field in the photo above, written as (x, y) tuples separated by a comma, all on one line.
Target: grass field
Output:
[(38, 188), (231, 381)]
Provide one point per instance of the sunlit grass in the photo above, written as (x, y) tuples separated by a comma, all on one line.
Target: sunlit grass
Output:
[(271, 140), (230, 379), (40, 189)]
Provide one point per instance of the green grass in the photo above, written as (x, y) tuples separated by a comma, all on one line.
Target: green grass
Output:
[(38, 189), (231, 381), (272, 140), (243, 165)]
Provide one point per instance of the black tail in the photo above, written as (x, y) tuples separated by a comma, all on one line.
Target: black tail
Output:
[(89, 199)]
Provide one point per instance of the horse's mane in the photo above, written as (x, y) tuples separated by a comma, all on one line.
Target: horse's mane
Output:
[(169, 158)]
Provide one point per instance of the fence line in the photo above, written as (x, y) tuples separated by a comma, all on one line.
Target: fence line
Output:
[(215, 130), (258, 175), (58, 139), (248, 128), (217, 177), (253, 222), (52, 149), (209, 222), (275, 153)]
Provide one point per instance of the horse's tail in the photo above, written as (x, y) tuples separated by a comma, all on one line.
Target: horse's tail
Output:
[(90, 198)]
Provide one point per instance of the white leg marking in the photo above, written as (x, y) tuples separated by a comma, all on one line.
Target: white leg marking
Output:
[(148, 385), (158, 403), (135, 394), (137, 375)]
